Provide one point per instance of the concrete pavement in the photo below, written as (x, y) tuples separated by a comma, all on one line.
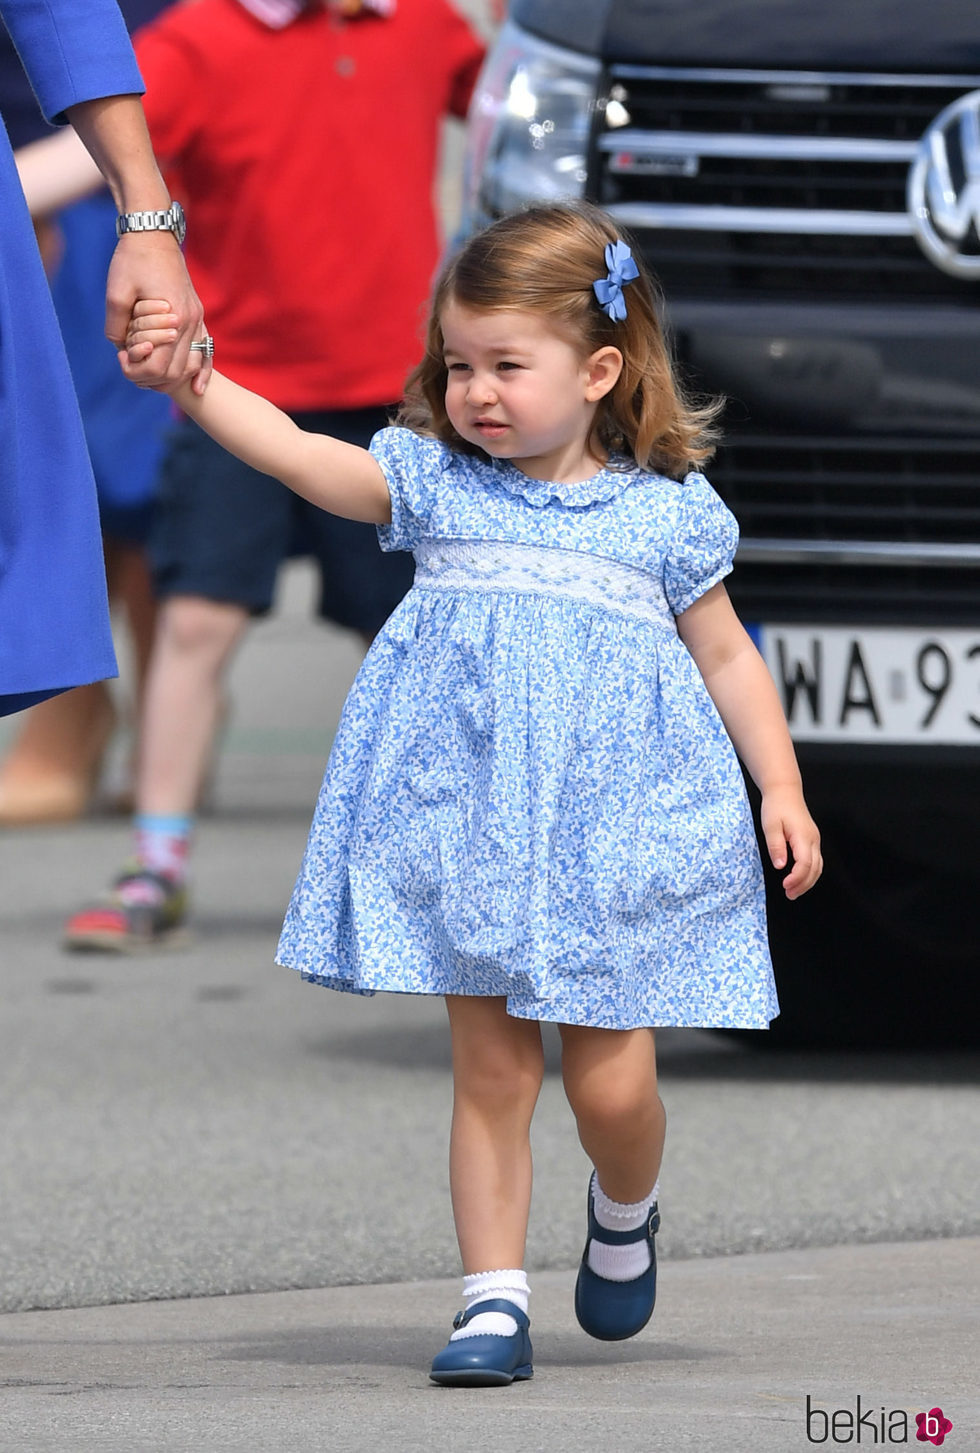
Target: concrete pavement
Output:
[(201, 1123), (192, 1125), (752, 1354)]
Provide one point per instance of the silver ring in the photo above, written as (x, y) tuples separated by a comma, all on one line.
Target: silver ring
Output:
[(205, 346)]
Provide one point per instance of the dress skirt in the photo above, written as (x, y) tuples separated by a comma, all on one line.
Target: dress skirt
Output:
[(532, 795)]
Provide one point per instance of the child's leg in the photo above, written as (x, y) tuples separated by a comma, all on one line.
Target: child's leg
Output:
[(610, 1079), (498, 1067)]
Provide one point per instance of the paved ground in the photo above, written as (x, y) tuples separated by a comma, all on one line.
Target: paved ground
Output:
[(193, 1125), (739, 1346), (224, 1222)]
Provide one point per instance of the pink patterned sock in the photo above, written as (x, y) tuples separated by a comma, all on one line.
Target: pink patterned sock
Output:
[(163, 844)]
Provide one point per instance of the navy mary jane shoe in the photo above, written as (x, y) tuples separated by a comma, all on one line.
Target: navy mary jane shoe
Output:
[(614, 1310), (486, 1359)]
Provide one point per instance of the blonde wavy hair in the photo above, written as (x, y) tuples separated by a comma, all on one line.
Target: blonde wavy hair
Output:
[(545, 259)]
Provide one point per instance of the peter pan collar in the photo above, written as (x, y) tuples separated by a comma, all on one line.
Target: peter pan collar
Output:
[(605, 485)]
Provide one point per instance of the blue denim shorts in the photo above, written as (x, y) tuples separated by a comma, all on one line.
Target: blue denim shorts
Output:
[(221, 530)]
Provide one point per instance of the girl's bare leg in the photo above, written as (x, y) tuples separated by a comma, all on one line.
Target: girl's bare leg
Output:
[(610, 1079), (498, 1067)]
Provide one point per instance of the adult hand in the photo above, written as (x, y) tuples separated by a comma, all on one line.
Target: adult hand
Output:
[(151, 265), (144, 264)]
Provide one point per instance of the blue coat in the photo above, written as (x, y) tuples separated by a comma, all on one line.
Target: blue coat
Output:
[(54, 620)]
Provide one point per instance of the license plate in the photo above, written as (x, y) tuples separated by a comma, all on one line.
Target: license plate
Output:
[(876, 684)]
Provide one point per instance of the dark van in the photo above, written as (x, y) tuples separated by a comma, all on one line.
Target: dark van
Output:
[(805, 182)]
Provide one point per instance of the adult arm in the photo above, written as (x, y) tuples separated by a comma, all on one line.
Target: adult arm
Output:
[(80, 62), (144, 264), (742, 689)]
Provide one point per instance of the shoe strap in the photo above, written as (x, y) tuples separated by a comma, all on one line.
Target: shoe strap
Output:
[(494, 1304)]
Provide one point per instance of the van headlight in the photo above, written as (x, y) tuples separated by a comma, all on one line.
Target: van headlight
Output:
[(528, 127)]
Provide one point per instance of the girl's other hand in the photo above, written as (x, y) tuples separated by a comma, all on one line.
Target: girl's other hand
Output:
[(789, 829)]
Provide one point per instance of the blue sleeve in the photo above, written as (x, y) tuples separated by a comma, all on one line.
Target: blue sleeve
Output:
[(72, 50), (703, 546), (413, 467)]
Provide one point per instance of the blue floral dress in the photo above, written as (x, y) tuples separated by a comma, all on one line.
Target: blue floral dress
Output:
[(531, 793)]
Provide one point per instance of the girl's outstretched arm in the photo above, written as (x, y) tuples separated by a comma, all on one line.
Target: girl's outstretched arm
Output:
[(336, 476), (740, 686)]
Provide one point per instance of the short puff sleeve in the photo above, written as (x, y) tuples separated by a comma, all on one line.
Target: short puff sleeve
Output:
[(413, 467), (703, 546)]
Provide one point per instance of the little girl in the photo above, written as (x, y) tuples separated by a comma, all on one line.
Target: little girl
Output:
[(533, 805)]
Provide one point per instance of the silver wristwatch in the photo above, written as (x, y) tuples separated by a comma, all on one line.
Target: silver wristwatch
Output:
[(170, 221)]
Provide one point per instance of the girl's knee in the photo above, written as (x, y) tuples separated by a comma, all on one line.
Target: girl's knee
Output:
[(610, 1106), (610, 1077), (495, 1057), (501, 1074)]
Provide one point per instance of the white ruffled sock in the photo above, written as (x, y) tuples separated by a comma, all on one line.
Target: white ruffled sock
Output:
[(620, 1263), (486, 1286)]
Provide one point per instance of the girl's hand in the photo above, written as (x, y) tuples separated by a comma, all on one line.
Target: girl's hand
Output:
[(152, 325), (789, 828)]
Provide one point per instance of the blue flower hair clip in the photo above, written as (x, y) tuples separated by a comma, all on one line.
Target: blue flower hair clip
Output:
[(609, 289)]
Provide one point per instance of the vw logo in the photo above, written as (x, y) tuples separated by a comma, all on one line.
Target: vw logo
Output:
[(943, 193)]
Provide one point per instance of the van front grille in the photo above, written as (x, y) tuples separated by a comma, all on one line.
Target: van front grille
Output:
[(807, 506), (772, 183)]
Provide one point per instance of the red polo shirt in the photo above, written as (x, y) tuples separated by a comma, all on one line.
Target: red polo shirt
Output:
[(305, 158)]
